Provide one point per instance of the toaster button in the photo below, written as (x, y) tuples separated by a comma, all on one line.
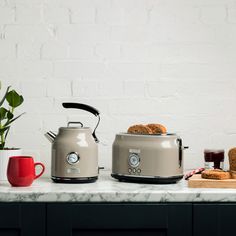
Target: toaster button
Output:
[(134, 160), (72, 158)]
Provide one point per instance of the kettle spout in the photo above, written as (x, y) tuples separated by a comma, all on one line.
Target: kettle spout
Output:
[(50, 136)]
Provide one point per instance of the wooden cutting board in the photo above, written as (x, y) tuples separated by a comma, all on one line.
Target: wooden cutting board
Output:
[(196, 181)]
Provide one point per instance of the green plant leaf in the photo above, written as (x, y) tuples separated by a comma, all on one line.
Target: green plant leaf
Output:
[(7, 132), (3, 113), (10, 121), (14, 99), (9, 115), (2, 130), (4, 97)]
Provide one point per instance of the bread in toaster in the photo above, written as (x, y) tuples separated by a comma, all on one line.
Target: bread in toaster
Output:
[(157, 128), (232, 159), (139, 129), (215, 174)]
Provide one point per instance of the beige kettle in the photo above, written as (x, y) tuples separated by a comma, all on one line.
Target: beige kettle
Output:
[(75, 150)]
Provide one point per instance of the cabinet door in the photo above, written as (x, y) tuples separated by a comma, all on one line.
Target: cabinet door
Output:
[(119, 219), (22, 219), (214, 219)]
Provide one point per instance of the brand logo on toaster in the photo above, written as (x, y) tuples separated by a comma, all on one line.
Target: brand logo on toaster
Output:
[(134, 150), (73, 170)]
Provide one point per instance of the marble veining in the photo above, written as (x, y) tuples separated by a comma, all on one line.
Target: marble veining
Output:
[(107, 189)]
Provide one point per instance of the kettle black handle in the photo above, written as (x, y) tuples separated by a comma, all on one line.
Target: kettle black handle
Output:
[(86, 108), (81, 106)]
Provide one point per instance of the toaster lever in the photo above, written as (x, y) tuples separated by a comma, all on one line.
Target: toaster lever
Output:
[(179, 140)]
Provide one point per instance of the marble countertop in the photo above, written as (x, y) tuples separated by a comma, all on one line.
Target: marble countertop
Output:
[(107, 189)]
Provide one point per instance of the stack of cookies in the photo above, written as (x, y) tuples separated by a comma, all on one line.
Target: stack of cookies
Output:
[(147, 129), (215, 174)]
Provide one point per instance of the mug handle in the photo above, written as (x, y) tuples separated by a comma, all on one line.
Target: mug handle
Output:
[(43, 168)]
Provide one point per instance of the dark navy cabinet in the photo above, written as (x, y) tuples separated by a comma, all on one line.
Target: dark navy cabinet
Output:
[(117, 219), (216, 219), (24, 219), (141, 219)]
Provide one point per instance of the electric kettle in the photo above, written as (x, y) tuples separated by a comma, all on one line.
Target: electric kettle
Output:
[(75, 150)]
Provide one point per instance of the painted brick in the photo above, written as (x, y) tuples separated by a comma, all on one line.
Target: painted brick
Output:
[(213, 15), (28, 33), (56, 15), (28, 14), (78, 3), (198, 70), (112, 89), (35, 88), (231, 16), (192, 53), (183, 33), (136, 16), (110, 16), (83, 33), (28, 51), (30, 69), (133, 71), (7, 50), (7, 15), (130, 34), (136, 52), (82, 51), (83, 15), (25, 124), (108, 51), (71, 69), (134, 107), (195, 88), (135, 89), (133, 4), (25, 69), (52, 122), (23, 139), (25, 3), (38, 105), (85, 88), (167, 15), (59, 88), (54, 50), (8, 69)]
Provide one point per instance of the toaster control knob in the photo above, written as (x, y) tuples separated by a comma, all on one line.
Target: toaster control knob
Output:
[(72, 158), (134, 160)]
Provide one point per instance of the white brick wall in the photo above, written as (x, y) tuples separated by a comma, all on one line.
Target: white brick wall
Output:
[(137, 61)]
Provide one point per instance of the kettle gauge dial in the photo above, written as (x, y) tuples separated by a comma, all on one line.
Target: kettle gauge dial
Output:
[(72, 158), (134, 160)]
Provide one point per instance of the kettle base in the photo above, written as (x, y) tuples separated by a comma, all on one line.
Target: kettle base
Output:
[(153, 180), (74, 180)]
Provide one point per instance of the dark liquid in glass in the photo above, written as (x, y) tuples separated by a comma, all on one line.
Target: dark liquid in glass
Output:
[(215, 156)]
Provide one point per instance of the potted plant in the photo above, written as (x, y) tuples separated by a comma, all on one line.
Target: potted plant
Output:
[(10, 100)]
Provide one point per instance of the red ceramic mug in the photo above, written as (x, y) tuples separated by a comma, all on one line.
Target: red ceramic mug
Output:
[(21, 170)]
